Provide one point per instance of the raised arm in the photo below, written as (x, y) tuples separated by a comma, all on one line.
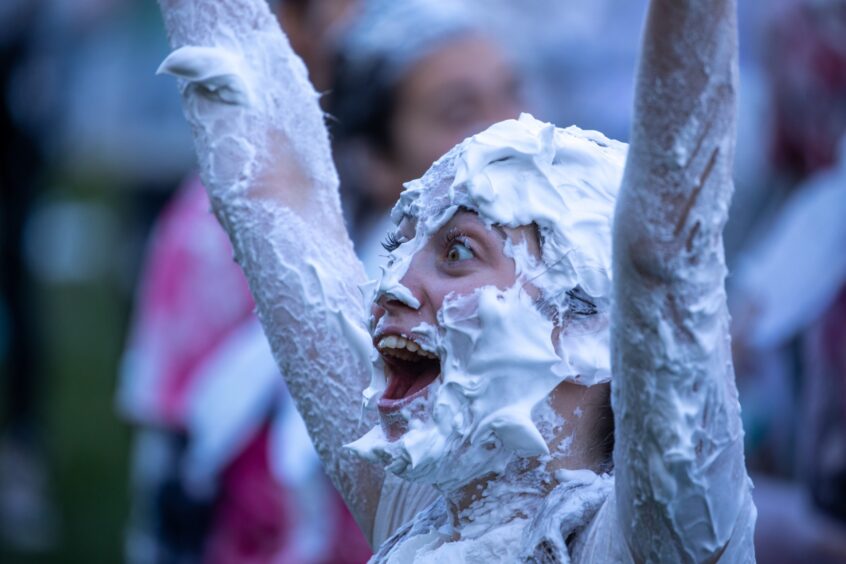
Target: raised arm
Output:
[(681, 485), (265, 159)]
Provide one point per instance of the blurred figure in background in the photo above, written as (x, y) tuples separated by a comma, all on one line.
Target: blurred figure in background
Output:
[(807, 56), (412, 79), (789, 295), (313, 27), (223, 470)]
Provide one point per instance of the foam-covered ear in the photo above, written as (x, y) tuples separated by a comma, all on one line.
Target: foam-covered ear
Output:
[(215, 72)]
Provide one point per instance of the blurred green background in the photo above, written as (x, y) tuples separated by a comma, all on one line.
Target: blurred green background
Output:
[(82, 327)]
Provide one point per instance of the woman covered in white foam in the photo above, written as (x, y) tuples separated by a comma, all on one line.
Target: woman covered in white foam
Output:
[(496, 325)]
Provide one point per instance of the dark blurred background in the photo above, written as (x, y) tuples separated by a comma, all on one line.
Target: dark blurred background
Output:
[(94, 145)]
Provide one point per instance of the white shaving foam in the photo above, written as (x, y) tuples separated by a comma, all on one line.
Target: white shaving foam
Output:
[(498, 359)]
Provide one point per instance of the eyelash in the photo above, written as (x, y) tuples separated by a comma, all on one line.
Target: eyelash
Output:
[(391, 242), (454, 235)]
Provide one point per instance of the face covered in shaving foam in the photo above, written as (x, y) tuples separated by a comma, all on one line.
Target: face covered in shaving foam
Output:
[(496, 291)]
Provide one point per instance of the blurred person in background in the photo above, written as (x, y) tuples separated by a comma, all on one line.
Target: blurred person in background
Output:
[(314, 29), (789, 295), (223, 469), (412, 79)]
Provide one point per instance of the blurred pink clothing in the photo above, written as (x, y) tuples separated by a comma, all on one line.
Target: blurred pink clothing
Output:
[(192, 297), (198, 365), (807, 68)]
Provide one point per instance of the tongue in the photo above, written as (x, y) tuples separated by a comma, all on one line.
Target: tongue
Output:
[(397, 387), (419, 383), (406, 379)]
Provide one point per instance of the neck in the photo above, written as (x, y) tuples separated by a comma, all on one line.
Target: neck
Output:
[(498, 498)]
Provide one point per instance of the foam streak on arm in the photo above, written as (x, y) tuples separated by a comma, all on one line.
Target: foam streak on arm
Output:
[(681, 486), (265, 159)]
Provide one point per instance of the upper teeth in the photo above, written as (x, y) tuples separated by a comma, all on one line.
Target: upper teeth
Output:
[(395, 342)]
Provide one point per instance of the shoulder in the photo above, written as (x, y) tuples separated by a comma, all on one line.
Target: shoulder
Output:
[(602, 540), (575, 510), (422, 526), (400, 502)]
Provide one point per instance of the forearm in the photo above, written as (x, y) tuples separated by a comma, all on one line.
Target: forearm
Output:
[(681, 481), (264, 157), (312, 314), (677, 182)]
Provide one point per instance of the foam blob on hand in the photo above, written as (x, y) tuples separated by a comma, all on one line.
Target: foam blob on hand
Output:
[(216, 73)]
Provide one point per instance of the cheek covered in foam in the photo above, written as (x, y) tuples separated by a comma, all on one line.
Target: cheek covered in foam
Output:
[(497, 364), (581, 341)]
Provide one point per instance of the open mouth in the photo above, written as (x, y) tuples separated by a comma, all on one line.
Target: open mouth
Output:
[(409, 369)]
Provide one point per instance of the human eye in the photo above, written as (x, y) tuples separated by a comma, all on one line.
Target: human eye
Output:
[(459, 251), (457, 247)]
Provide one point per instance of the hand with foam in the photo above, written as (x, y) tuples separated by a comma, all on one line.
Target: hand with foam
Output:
[(257, 125), (213, 72)]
